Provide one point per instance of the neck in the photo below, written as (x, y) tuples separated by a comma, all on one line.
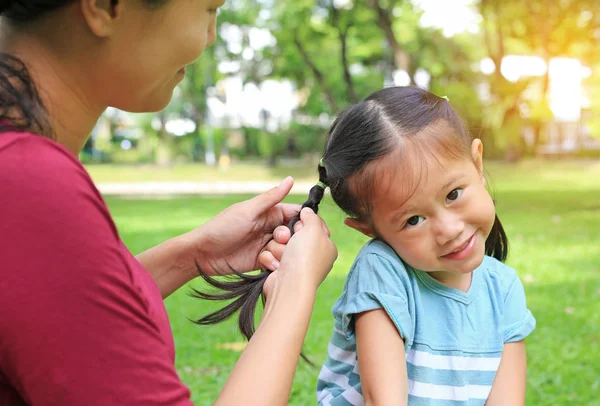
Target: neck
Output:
[(60, 88), (454, 280)]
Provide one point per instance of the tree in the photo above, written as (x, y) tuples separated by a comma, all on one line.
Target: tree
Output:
[(385, 19), (533, 27)]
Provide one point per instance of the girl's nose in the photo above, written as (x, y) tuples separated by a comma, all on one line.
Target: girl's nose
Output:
[(448, 228)]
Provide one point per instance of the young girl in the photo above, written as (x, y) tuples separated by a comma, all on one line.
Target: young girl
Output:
[(429, 314)]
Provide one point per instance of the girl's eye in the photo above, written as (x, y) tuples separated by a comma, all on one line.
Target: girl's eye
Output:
[(414, 220), (454, 195)]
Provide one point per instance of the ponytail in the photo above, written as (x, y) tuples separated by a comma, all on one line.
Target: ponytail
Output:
[(496, 244)]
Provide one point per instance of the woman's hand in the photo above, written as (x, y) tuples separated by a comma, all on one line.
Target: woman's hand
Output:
[(308, 256), (241, 236), (274, 349)]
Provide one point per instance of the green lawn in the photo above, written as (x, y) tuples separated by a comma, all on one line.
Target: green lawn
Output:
[(246, 171), (551, 212)]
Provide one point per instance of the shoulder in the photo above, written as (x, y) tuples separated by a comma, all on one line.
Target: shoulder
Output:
[(26, 154), (41, 175), (378, 279), (376, 257), (377, 268), (378, 251), (498, 274), (511, 302), (49, 200)]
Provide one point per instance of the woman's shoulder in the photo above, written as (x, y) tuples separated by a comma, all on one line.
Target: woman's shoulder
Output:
[(41, 180), (33, 163), (25, 148)]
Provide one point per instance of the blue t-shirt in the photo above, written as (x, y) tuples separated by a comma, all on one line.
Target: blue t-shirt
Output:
[(453, 339)]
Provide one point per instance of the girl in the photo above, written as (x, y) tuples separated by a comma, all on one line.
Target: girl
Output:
[(429, 314)]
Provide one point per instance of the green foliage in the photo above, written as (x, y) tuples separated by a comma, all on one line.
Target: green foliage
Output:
[(271, 146), (308, 139), (217, 136), (338, 54)]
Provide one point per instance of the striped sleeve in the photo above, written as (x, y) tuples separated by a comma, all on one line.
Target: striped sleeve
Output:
[(339, 379)]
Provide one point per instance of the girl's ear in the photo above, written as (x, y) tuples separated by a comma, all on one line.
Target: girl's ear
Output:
[(477, 153), (477, 156), (360, 226)]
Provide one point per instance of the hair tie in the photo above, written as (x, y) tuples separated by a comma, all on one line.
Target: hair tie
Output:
[(321, 185), (321, 163), (446, 98)]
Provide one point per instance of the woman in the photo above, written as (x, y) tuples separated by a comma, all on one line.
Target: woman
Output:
[(81, 320)]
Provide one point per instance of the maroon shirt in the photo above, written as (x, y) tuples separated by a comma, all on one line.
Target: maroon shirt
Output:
[(81, 321)]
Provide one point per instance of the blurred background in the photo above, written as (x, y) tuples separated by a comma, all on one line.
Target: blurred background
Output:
[(524, 74)]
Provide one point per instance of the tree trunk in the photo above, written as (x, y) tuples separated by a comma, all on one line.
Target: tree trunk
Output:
[(351, 92), (320, 78), (401, 58), (343, 37), (162, 153)]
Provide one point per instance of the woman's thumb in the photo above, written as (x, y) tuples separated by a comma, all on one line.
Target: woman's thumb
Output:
[(271, 197), (308, 216)]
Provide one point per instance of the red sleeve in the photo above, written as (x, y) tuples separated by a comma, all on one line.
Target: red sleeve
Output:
[(75, 326)]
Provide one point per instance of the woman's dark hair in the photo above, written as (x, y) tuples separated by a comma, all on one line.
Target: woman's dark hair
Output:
[(361, 134), (21, 108)]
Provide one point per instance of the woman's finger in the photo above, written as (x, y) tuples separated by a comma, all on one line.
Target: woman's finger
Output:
[(275, 249), (282, 234), (268, 261), (298, 226), (289, 211)]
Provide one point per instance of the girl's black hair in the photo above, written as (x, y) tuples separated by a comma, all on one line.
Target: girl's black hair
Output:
[(360, 135), (370, 130)]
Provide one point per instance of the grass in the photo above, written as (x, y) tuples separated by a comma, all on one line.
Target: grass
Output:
[(578, 173), (551, 212), (246, 171)]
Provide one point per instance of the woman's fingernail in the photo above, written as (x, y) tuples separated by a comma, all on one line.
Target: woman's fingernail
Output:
[(285, 181), (275, 265), (277, 235)]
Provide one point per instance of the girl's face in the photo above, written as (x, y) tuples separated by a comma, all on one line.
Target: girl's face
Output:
[(439, 224), (146, 55)]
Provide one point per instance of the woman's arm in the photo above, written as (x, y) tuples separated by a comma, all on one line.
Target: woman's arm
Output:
[(171, 264), (264, 373), (381, 359), (509, 384)]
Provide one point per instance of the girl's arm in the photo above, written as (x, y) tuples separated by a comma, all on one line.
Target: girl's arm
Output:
[(381, 359), (509, 384)]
